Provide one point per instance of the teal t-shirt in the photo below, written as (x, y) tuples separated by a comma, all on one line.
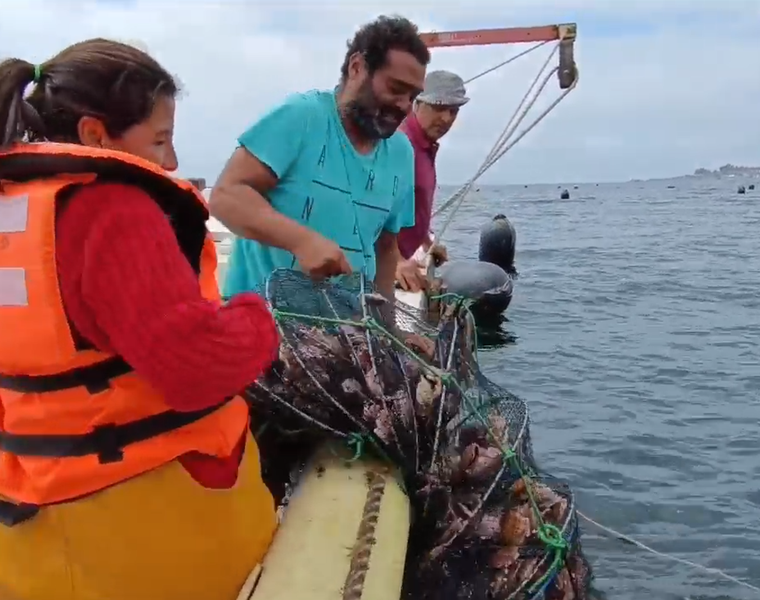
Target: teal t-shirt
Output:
[(324, 184)]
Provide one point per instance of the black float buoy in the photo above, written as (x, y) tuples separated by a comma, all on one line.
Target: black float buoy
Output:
[(565, 195), (751, 186), (741, 190), (575, 187), (488, 281), (498, 240)]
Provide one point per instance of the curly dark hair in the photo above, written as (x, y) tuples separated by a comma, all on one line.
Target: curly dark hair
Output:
[(112, 81), (375, 39)]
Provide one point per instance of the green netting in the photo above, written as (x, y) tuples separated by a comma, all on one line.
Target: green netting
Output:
[(487, 524)]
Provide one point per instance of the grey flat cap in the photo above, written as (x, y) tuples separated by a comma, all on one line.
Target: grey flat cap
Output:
[(444, 89)]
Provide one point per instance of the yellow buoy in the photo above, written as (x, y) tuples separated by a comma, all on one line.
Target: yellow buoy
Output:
[(343, 536)]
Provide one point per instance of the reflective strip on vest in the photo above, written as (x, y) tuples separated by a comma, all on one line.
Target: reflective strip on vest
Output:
[(14, 213), (13, 287)]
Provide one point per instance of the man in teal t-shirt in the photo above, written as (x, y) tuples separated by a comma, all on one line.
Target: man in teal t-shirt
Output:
[(323, 182)]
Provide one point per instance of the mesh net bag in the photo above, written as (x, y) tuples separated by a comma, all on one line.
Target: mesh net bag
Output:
[(487, 524), (502, 528)]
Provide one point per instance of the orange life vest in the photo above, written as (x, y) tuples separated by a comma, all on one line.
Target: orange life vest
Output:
[(74, 420)]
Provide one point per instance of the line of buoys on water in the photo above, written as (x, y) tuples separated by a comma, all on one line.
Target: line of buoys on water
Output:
[(565, 194)]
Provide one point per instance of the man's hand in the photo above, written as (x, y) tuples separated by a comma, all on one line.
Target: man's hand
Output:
[(320, 258), (409, 276), (439, 254)]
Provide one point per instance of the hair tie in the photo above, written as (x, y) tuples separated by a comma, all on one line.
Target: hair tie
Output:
[(37, 74)]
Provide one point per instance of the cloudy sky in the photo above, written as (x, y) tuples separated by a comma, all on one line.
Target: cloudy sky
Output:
[(665, 87)]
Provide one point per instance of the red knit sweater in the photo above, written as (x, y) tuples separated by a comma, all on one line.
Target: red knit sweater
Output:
[(128, 289)]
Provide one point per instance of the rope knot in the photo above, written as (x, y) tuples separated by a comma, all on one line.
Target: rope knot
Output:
[(507, 453), (552, 537), (448, 379)]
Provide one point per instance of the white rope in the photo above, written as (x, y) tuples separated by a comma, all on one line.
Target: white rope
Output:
[(507, 138), (683, 561), (506, 62)]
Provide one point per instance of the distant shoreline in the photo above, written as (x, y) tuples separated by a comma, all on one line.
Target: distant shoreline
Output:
[(728, 169)]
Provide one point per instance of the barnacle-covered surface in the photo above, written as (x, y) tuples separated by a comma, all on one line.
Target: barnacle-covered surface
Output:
[(487, 524)]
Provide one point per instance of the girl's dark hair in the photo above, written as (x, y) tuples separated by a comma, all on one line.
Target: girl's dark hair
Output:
[(113, 82)]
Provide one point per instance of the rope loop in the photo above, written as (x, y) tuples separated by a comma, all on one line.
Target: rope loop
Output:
[(552, 537)]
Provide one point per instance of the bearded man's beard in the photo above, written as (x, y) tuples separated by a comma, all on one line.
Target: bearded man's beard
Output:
[(371, 119)]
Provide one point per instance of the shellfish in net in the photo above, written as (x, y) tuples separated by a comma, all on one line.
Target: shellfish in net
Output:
[(487, 523)]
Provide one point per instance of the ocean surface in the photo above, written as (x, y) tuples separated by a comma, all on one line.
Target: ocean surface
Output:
[(634, 337)]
